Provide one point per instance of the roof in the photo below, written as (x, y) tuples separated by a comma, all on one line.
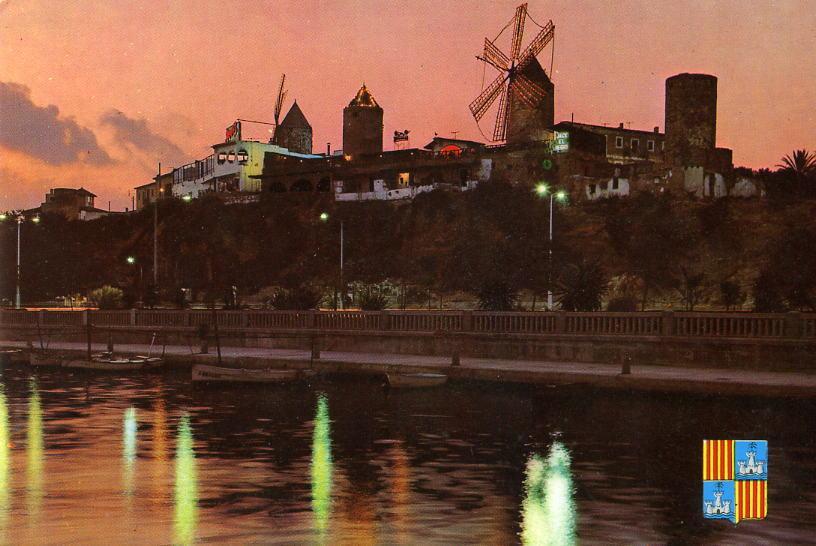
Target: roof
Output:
[(591, 127), (80, 190), (462, 143), (364, 98), (295, 118)]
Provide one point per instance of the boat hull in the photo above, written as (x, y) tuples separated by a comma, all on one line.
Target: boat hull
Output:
[(45, 359), (205, 372), (416, 380), (124, 364)]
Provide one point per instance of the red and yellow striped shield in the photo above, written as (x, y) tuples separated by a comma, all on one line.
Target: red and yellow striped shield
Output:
[(718, 459), (752, 499)]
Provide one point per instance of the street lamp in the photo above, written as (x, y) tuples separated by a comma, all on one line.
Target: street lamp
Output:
[(324, 217), (131, 260), (543, 189), (19, 218)]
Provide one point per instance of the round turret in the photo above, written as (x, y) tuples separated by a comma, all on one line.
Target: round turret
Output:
[(691, 114), (362, 125), (294, 132)]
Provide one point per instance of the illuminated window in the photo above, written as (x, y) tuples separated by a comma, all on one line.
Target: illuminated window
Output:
[(619, 142), (222, 157), (650, 145), (635, 145), (403, 179), (243, 156), (231, 156)]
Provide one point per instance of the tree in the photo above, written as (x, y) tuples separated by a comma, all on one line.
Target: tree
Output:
[(799, 168), (497, 295), (691, 287), (730, 294), (767, 294), (583, 285)]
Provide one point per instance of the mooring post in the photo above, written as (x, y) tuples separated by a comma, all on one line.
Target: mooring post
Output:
[(626, 365), (315, 349)]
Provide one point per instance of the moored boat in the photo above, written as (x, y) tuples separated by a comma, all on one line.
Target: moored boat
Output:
[(45, 358), (113, 363), (8, 355), (416, 380), (206, 372)]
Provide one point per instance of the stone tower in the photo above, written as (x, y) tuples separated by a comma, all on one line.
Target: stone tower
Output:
[(691, 117), (294, 132), (362, 125), (528, 124)]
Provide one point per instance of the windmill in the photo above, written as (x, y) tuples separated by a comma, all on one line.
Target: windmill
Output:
[(512, 84), (278, 107)]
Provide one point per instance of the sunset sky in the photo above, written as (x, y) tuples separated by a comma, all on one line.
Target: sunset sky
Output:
[(94, 94)]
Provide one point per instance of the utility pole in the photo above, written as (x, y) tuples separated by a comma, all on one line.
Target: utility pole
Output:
[(156, 231), (17, 300), (342, 286)]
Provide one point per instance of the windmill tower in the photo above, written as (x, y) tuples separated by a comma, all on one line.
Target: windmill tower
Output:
[(526, 95)]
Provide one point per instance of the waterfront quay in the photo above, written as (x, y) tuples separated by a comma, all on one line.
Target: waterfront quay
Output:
[(734, 353)]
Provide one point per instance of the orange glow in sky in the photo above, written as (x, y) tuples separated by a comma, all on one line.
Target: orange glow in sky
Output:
[(129, 83)]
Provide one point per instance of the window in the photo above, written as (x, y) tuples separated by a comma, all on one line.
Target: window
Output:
[(650, 145), (222, 157), (635, 145), (243, 156), (231, 156), (619, 142), (615, 183), (591, 189), (663, 145)]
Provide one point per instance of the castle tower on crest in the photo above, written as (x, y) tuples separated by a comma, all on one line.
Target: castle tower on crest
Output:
[(362, 125)]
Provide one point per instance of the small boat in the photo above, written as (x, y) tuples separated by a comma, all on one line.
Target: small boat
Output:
[(11, 355), (206, 372), (45, 358), (416, 380), (108, 362)]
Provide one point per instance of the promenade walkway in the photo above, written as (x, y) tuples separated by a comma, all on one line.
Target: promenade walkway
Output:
[(648, 378)]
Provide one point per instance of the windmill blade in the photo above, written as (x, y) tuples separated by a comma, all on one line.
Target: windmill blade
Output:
[(494, 56), (518, 30), (502, 116), (527, 90), (539, 42), (482, 103)]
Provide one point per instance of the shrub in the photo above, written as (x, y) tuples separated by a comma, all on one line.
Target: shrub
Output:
[(622, 304), (730, 295), (582, 287), (107, 297), (768, 294), (497, 295), (372, 298), (302, 298)]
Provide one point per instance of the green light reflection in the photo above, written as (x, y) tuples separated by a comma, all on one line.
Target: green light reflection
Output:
[(321, 466), (34, 453), (130, 427), (548, 509), (185, 492), (5, 463)]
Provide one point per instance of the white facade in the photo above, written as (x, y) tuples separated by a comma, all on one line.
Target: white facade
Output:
[(703, 184), (230, 168), (382, 194), (613, 187)]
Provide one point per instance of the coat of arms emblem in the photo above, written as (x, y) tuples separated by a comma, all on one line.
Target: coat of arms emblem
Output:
[(735, 479)]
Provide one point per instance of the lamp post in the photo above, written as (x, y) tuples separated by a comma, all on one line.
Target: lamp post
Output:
[(131, 260), (542, 190), (19, 218), (324, 217)]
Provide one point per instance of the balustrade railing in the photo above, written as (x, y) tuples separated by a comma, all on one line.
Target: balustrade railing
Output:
[(680, 324)]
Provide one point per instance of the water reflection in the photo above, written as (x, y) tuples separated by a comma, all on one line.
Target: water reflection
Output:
[(129, 430), (548, 509), (34, 453), (185, 492), (321, 466), (159, 449), (5, 462)]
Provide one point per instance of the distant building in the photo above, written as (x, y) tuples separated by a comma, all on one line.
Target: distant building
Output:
[(73, 204), (150, 192)]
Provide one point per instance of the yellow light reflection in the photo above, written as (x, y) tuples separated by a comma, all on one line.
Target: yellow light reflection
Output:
[(321, 467), (548, 509), (129, 429), (5, 463), (34, 453), (185, 492), (159, 449)]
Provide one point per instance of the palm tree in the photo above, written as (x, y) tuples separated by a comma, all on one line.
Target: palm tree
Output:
[(801, 163)]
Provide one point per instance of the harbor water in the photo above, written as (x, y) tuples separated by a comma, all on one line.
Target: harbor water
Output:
[(91, 458)]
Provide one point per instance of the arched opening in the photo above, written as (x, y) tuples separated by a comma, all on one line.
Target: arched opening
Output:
[(302, 185), (277, 187), (324, 184)]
